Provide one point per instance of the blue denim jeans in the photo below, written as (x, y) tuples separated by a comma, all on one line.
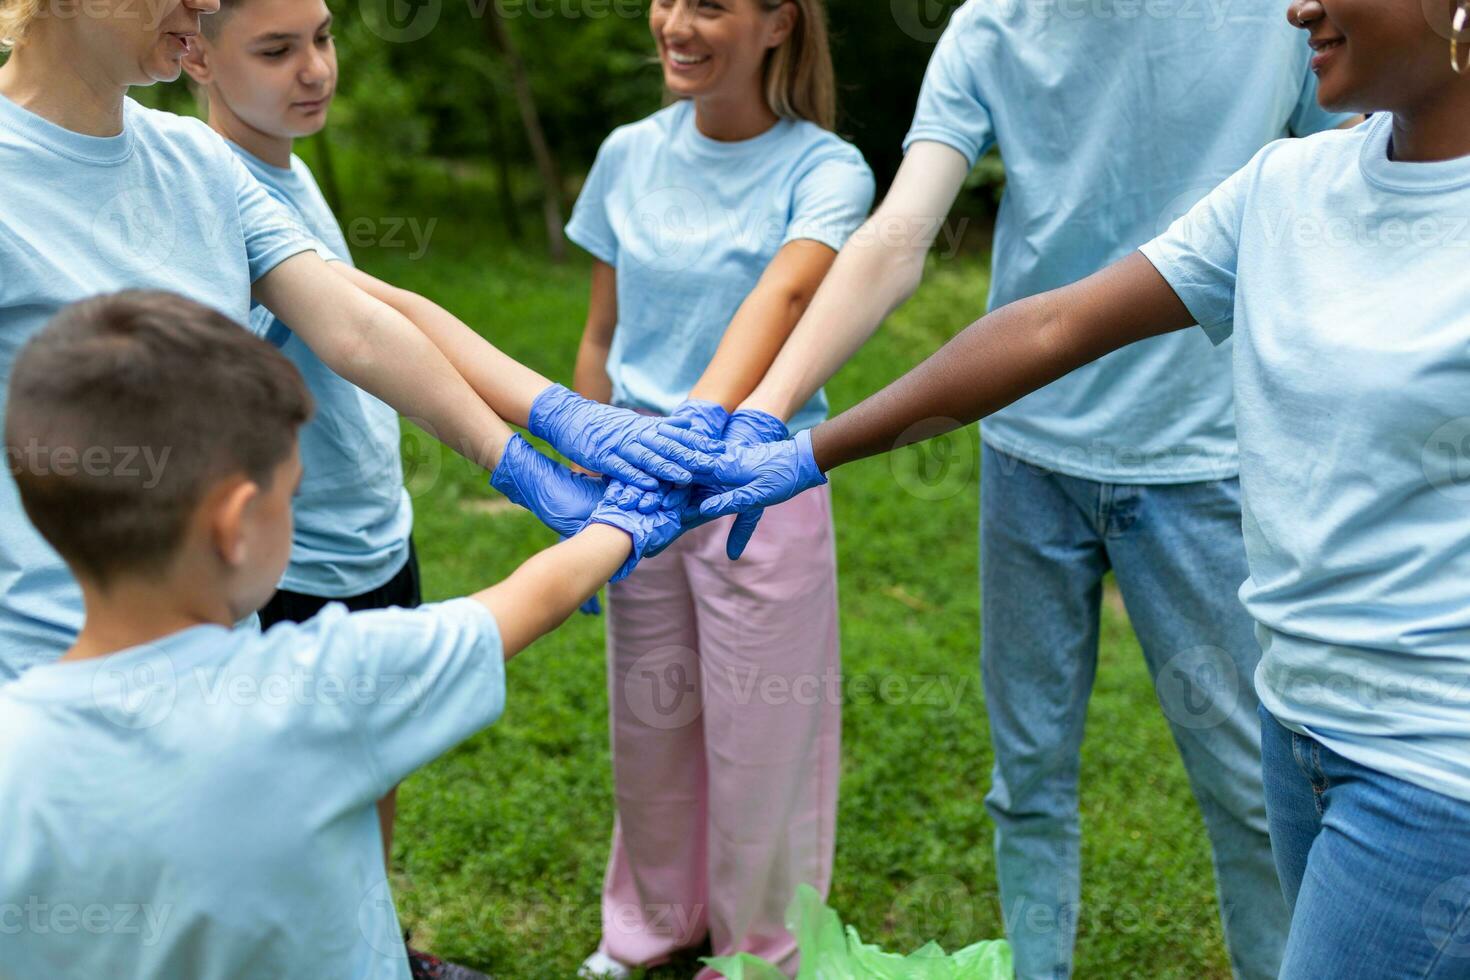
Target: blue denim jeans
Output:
[(1376, 871), (1047, 540)]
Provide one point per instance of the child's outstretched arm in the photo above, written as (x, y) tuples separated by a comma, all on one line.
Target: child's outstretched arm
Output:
[(543, 592), (379, 350), (599, 437)]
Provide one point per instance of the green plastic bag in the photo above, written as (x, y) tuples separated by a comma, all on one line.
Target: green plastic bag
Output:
[(830, 952)]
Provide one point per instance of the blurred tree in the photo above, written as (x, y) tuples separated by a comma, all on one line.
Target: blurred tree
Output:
[(881, 49), (523, 92), (551, 191)]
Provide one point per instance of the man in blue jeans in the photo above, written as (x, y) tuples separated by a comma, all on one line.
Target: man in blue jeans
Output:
[(1113, 121)]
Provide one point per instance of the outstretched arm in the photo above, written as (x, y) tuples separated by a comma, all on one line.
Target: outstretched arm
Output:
[(542, 593), (764, 323), (376, 348), (425, 369), (589, 377), (1008, 354), (545, 590), (506, 385), (877, 271)]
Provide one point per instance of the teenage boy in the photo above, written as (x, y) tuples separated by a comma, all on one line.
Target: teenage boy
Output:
[(214, 801), (268, 71)]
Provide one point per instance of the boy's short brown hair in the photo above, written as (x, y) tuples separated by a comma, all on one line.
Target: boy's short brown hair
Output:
[(210, 24), (126, 408)]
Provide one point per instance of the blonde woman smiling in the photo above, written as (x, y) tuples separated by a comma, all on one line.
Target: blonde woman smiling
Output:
[(713, 222)]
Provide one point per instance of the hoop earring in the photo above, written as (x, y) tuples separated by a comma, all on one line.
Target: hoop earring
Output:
[(1457, 29)]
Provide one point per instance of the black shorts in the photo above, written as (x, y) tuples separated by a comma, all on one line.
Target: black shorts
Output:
[(402, 590)]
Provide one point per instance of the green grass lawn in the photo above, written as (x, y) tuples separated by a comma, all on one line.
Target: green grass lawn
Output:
[(501, 844)]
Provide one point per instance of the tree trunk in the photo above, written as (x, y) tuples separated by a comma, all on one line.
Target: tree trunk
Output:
[(326, 169), (499, 147), (501, 38)]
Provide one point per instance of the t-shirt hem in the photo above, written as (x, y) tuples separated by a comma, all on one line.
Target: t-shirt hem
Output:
[(1216, 330), (596, 247), (834, 242), (1035, 456), (935, 134), (1388, 761), (307, 584), (264, 265)]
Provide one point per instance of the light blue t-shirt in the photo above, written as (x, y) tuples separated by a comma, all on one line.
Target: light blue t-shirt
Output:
[(353, 516), (691, 224), (1342, 277), (165, 205), (1114, 118), (210, 812)]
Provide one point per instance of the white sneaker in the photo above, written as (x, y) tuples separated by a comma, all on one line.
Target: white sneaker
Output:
[(600, 966)]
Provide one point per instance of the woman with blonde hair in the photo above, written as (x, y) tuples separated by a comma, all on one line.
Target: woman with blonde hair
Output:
[(108, 195), (713, 221)]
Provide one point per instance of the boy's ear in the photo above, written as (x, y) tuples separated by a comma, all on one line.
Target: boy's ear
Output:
[(229, 508), (196, 62)]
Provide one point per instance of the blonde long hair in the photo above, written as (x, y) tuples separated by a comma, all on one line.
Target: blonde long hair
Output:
[(15, 17), (800, 82)]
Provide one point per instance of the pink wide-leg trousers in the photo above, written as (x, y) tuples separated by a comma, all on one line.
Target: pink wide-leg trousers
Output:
[(725, 694)]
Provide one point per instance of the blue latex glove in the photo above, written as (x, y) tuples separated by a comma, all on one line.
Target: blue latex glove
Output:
[(750, 427), (651, 533), (706, 418), (562, 499), (637, 449), (752, 477)]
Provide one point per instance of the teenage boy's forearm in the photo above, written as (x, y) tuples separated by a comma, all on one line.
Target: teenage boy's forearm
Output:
[(548, 588), (373, 346), (505, 384), (1008, 354)]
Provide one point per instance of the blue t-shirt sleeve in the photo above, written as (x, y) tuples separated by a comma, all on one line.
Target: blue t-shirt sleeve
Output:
[(952, 109), (433, 677), (1199, 254), (263, 324), (831, 201), (1309, 117), (591, 225), (272, 232)]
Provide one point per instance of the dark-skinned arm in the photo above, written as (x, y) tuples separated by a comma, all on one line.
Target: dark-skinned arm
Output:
[(1008, 354)]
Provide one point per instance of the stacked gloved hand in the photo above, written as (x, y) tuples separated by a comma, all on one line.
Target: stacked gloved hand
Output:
[(666, 475), (747, 429), (639, 450), (762, 465), (651, 532), (647, 456)]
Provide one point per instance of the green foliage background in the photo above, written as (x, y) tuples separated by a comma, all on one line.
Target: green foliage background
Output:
[(447, 96)]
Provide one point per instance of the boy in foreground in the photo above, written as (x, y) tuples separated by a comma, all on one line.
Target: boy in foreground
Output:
[(212, 793), (267, 72)]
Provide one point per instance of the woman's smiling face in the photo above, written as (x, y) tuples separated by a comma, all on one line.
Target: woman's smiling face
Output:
[(140, 43), (1376, 55), (709, 47)]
